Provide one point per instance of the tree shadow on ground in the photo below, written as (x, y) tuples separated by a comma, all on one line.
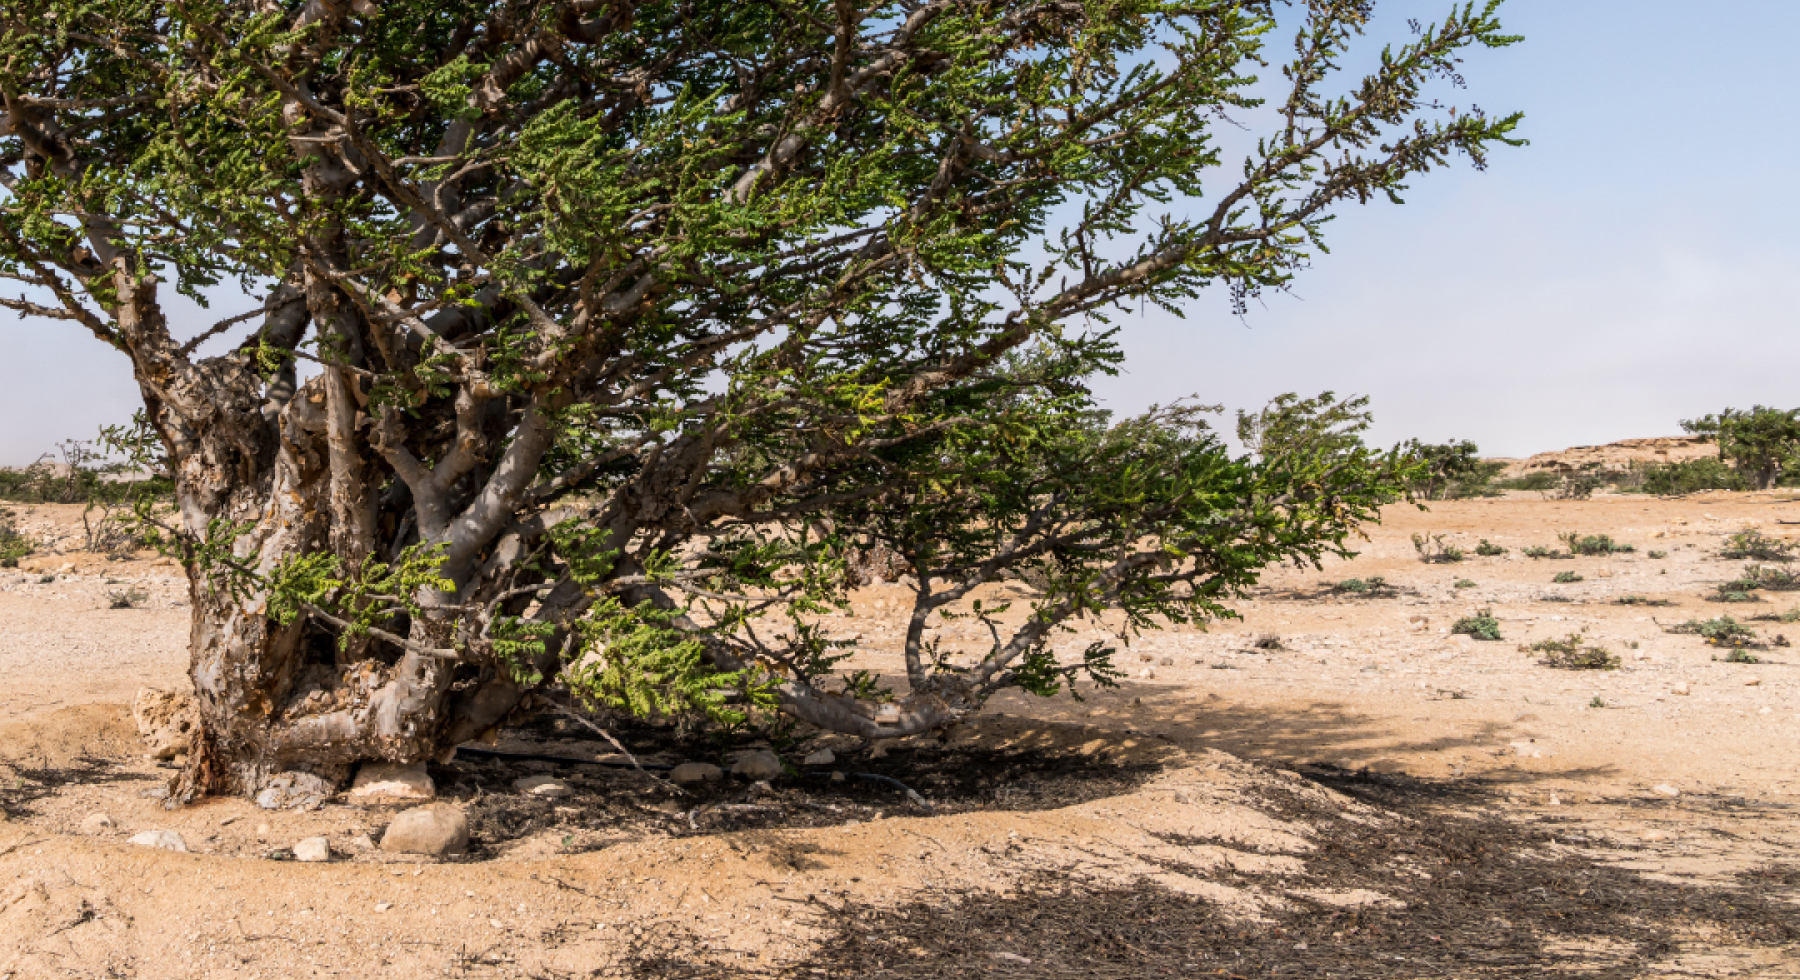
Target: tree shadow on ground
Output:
[(1467, 898)]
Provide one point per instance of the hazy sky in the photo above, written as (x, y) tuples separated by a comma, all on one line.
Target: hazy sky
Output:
[(1634, 266)]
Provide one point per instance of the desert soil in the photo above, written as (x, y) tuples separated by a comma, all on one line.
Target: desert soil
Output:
[(1335, 785)]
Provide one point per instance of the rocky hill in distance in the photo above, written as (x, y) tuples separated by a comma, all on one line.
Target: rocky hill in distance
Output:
[(1614, 456)]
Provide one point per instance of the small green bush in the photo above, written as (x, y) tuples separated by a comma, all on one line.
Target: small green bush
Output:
[(1657, 554), (1770, 578), (1463, 583), (1638, 600), (1360, 586), (1723, 631), (1742, 657), (127, 598), (1573, 653), (1481, 626), (1791, 616), (1593, 544), (1754, 544), (13, 544), (1726, 594), (1566, 578), (1487, 549)]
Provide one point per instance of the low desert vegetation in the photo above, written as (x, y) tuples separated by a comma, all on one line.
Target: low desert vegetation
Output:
[(1481, 626), (130, 597), (1364, 586), (1567, 578), (14, 544), (1540, 551), (1722, 631), (1433, 551), (1452, 471), (1677, 479), (1463, 583), (1592, 544), (1488, 549), (1740, 657), (1573, 652), (1760, 443), (1638, 600), (1754, 544)]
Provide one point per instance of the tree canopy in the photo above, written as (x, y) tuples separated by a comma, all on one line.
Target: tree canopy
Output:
[(595, 336), (1760, 443)]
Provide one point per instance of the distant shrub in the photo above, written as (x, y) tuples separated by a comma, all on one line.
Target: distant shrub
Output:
[(1539, 551), (1692, 476), (1791, 616), (1742, 657), (1481, 626), (1723, 631), (1754, 544), (1534, 481), (1433, 551), (1566, 578), (1578, 486), (1573, 653), (1638, 600), (1659, 555), (1488, 549), (1451, 471), (1592, 544), (1769, 578), (1732, 595), (1463, 583)]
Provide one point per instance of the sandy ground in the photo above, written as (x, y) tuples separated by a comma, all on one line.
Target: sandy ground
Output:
[(1697, 787)]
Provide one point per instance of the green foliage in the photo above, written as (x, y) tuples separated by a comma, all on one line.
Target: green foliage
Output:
[(1578, 486), (1539, 481), (14, 544), (1791, 616), (1358, 586), (1742, 657), (1488, 549), (1754, 544), (1688, 476), (1723, 631), (1539, 551), (1638, 600), (1759, 443), (1463, 583), (1566, 578), (1573, 652), (1592, 544), (1452, 471), (1481, 626), (1432, 550), (628, 324), (1658, 555)]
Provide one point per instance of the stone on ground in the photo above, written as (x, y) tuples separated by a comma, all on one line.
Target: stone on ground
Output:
[(823, 757), (692, 773), (98, 823), (546, 787), (436, 830), (381, 782), (162, 840), (757, 764), (313, 850)]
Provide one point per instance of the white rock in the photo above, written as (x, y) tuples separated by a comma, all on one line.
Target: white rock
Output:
[(1147, 674), (1664, 789), (313, 850), (823, 757), (1681, 687), (1752, 681), (293, 789), (545, 787), (98, 823), (162, 840), (757, 764), (437, 829), (691, 773), (390, 781)]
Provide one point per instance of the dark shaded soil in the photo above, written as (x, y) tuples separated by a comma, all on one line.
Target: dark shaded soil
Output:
[(627, 803), (1483, 898)]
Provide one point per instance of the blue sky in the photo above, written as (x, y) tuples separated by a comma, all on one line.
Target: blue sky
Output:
[(1634, 266)]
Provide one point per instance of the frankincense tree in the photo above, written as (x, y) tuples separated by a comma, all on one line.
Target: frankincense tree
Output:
[(595, 335)]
